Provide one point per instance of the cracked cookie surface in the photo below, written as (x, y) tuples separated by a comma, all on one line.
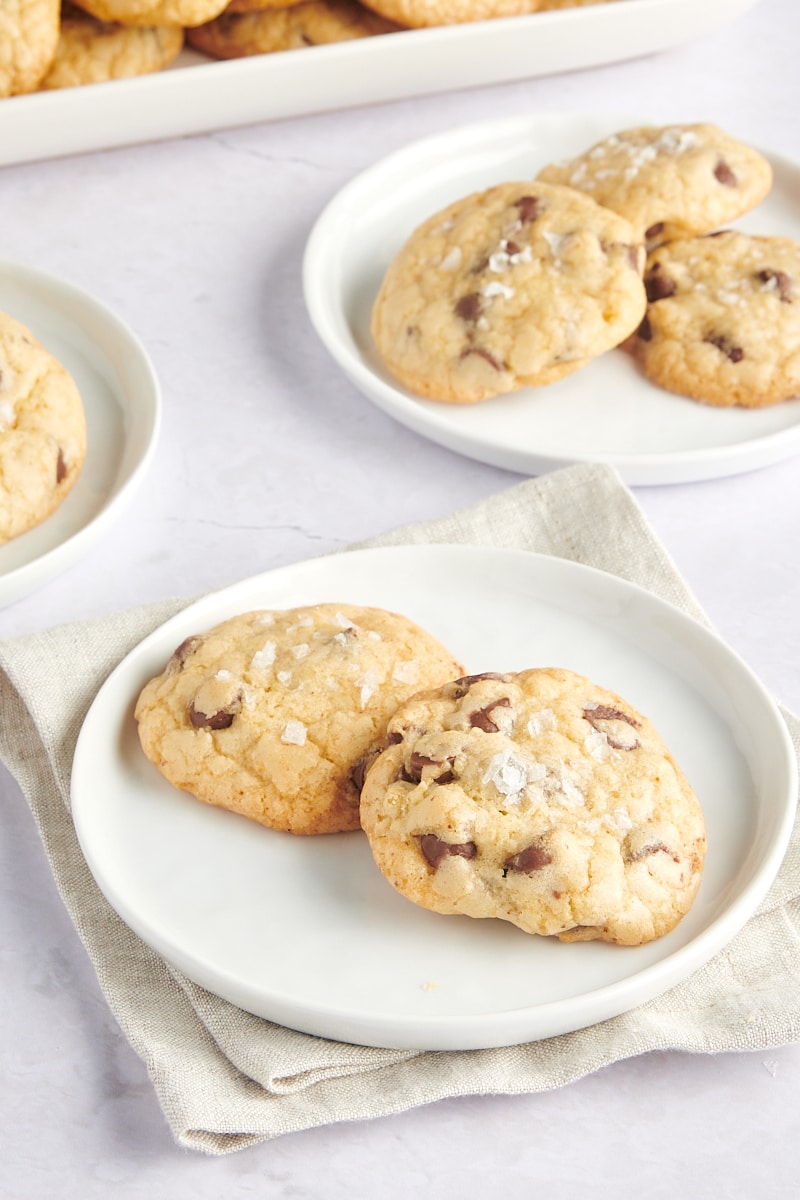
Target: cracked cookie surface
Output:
[(539, 798), (723, 319), (515, 286), (42, 430), (418, 14), (28, 38), (153, 12), (273, 714), (669, 181)]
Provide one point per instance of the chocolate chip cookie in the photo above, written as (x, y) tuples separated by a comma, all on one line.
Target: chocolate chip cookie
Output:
[(28, 38), (42, 430), (154, 12), (515, 286), (723, 319), (539, 798), (311, 23), (669, 181), (92, 51), (275, 714)]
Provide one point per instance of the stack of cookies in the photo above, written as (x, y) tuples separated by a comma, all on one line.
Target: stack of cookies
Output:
[(528, 281), (535, 797), (46, 44)]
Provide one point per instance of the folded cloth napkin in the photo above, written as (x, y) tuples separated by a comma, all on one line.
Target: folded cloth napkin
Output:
[(226, 1079)]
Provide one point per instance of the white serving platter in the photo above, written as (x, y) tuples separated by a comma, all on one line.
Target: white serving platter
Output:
[(196, 95), (607, 412), (122, 401), (304, 931)]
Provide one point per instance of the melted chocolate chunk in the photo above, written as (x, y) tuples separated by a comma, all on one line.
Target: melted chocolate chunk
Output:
[(526, 861), (782, 282), (645, 330), (481, 718), (725, 175), (469, 307), (599, 717), (483, 353), (654, 230), (418, 762), (726, 346), (512, 247), (187, 647), (218, 720), (460, 687), (61, 467), (434, 849), (657, 285), (528, 208)]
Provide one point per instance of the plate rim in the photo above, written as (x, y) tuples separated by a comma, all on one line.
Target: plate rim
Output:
[(458, 1031), (21, 580), (428, 419)]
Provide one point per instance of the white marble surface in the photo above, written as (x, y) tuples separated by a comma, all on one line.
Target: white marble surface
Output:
[(268, 456)]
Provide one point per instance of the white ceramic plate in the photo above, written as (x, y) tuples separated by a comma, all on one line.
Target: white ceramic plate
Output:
[(121, 399), (606, 412), (307, 933), (197, 95)]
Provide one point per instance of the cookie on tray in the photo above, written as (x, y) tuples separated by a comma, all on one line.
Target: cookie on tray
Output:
[(669, 181), (275, 714), (28, 39), (154, 12), (42, 430), (310, 23), (92, 51), (515, 286), (723, 319), (418, 14), (539, 798)]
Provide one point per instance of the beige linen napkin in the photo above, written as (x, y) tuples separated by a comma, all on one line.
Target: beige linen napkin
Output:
[(226, 1079)]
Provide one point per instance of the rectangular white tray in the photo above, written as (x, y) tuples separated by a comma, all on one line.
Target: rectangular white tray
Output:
[(196, 95)]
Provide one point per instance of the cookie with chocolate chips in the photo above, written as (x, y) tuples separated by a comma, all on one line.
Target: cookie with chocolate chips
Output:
[(92, 51), (515, 286), (539, 798), (238, 34), (275, 714), (669, 181), (42, 430), (723, 319)]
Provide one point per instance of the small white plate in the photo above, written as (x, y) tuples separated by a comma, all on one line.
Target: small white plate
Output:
[(307, 933), (606, 412), (121, 397)]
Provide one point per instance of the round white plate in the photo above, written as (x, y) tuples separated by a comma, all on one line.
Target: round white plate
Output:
[(121, 398), (307, 933), (607, 412)]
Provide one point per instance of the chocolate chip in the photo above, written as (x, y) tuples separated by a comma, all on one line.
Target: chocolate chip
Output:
[(658, 286), (187, 647), (531, 859), (654, 230), (512, 247), (418, 762), (645, 330), (725, 345), (528, 208), (306, 40), (359, 770), (483, 353), (481, 718), (61, 467), (599, 718), (782, 281), (218, 720), (725, 175), (434, 849), (393, 738), (460, 687), (412, 330), (469, 307)]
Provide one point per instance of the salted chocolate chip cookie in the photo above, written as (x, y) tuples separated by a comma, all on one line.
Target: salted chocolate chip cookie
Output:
[(154, 12), (92, 51), (723, 319), (311, 23), (276, 714), (42, 430), (515, 286), (669, 181), (538, 798), (28, 38), (422, 13)]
